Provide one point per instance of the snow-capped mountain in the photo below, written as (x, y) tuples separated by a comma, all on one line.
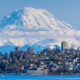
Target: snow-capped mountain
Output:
[(31, 26)]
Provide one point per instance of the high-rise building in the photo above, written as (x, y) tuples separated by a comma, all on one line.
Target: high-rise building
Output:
[(30, 50), (17, 49), (64, 45)]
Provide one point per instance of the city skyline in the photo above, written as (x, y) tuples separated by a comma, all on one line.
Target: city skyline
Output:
[(39, 37)]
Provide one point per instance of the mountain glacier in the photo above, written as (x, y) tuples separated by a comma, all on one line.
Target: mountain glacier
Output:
[(30, 26)]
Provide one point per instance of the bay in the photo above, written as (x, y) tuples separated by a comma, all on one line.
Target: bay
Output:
[(39, 77)]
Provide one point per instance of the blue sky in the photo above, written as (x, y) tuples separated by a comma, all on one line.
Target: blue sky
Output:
[(65, 10)]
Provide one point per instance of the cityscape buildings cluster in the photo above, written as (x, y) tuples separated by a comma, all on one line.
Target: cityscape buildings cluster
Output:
[(47, 62)]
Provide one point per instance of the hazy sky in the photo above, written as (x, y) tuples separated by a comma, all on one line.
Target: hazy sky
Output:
[(65, 10)]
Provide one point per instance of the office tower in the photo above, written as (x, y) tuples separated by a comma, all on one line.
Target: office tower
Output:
[(64, 45)]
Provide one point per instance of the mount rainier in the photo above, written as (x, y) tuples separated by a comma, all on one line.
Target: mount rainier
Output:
[(31, 27)]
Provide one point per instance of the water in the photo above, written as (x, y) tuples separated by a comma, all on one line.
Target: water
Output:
[(39, 77)]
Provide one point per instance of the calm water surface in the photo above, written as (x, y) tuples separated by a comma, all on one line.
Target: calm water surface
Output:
[(39, 77)]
